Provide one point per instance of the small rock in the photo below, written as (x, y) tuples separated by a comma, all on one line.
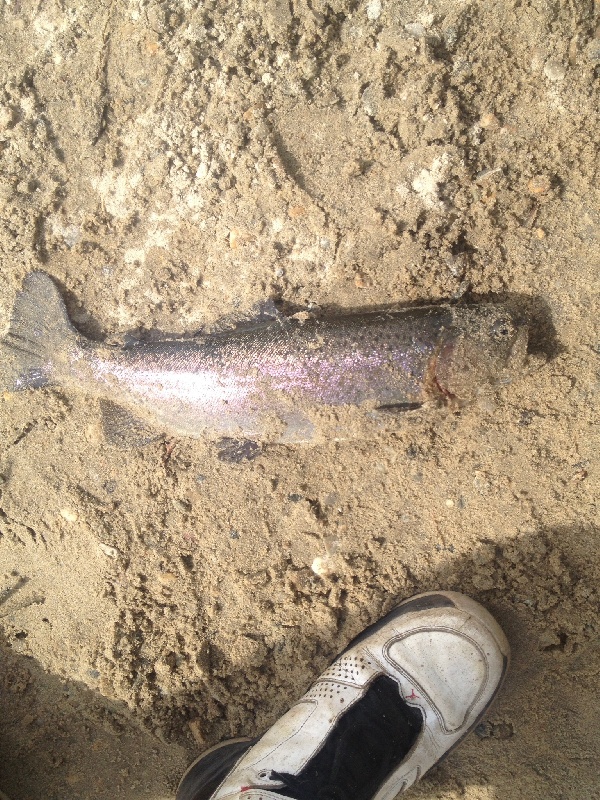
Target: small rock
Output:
[(71, 235), (539, 184), (369, 101), (374, 10), (496, 730), (415, 29), (109, 551), (362, 282), (484, 730), (450, 36), (235, 451), (167, 578), (68, 515), (548, 640), (489, 120), (6, 117), (503, 730), (554, 70), (296, 211), (592, 51), (487, 173), (323, 566)]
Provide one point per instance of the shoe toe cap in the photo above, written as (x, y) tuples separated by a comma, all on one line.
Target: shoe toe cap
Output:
[(457, 663)]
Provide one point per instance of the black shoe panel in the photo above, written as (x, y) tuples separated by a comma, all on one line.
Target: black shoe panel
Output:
[(365, 747)]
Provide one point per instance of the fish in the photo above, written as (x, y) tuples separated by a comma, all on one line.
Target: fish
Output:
[(273, 381)]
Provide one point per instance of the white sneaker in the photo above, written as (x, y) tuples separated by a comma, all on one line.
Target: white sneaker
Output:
[(403, 694)]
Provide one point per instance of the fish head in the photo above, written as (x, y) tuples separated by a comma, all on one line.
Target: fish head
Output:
[(485, 347)]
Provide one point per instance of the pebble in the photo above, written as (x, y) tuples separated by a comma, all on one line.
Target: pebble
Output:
[(296, 211), (489, 120), (361, 282), (167, 578), (593, 51), (415, 29), (539, 184), (548, 639), (68, 515), (322, 566), (369, 102), (554, 70), (486, 173), (374, 10), (6, 117), (109, 551)]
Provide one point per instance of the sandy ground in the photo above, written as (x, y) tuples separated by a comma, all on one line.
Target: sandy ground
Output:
[(169, 163)]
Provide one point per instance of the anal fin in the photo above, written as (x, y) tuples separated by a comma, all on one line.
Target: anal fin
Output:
[(124, 429), (234, 451)]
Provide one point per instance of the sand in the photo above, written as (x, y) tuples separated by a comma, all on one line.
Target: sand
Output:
[(170, 164)]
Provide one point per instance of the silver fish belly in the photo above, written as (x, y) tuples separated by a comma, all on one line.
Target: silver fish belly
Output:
[(270, 382)]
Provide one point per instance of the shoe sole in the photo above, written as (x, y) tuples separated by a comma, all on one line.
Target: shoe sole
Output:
[(207, 772)]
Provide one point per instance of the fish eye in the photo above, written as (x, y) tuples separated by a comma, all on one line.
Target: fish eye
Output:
[(502, 329)]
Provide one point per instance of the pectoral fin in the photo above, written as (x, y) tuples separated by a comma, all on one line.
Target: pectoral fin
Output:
[(123, 429)]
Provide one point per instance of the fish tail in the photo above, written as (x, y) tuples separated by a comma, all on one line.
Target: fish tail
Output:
[(39, 339)]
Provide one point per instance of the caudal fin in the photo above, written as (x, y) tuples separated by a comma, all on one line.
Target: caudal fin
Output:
[(39, 338)]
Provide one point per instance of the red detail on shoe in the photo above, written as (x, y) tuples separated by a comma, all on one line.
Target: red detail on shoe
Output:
[(412, 696), (245, 788)]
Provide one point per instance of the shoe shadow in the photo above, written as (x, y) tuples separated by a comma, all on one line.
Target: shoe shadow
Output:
[(59, 740)]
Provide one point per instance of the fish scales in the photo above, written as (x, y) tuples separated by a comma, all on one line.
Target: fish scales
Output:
[(268, 382)]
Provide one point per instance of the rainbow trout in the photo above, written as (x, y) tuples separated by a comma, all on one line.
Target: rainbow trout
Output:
[(275, 381)]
